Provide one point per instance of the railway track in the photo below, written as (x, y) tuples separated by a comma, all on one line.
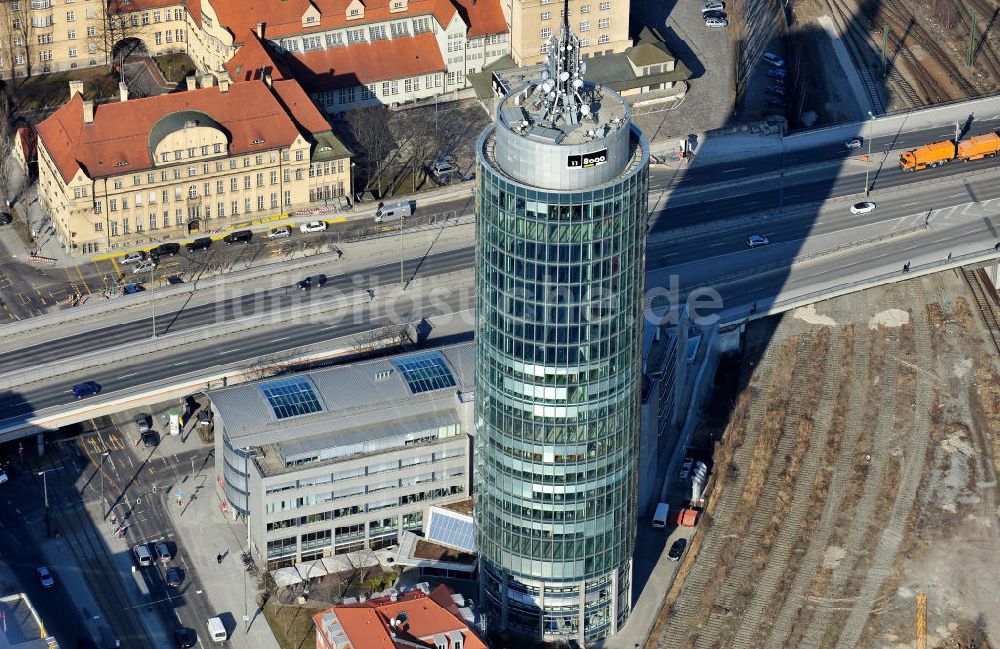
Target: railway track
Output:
[(987, 54), (845, 18), (986, 298)]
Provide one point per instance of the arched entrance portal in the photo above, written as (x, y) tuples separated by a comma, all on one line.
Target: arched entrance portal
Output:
[(127, 48)]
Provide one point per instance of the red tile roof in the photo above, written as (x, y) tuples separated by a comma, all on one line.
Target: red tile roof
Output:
[(253, 60), (340, 67), (368, 625), (482, 16), (284, 17), (120, 131)]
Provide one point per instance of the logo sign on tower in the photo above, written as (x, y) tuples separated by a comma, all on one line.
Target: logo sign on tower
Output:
[(584, 160)]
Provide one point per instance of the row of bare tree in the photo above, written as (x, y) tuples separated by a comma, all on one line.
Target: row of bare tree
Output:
[(114, 22)]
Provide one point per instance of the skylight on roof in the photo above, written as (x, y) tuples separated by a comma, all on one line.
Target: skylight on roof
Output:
[(425, 372), (452, 529), (291, 397)]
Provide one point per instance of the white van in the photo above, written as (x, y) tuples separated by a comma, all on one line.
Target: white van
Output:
[(660, 516), (216, 629), (394, 211)]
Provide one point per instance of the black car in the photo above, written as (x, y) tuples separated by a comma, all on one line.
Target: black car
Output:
[(201, 243), (677, 549), (240, 236), (713, 14), (150, 438), (314, 281), (5, 218), (167, 250), (774, 92), (185, 638), (174, 577)]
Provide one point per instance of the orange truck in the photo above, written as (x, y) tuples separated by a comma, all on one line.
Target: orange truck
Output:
[(939, 153)]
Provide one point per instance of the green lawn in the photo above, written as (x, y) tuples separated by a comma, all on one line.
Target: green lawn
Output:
[(52, 89), (175, 67), (291, 625)]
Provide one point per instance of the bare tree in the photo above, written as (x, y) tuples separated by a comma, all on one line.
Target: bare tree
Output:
[(6, 163), (425, 142), (383, 339), (117, 24), (18, 34), (265, 367), (371, 128)]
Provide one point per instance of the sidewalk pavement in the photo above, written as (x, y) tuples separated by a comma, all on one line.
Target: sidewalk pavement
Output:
[(205, 531)]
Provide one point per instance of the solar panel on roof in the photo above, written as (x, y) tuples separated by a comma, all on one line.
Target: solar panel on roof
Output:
[(425, 372), (291, 397), (455, 531)]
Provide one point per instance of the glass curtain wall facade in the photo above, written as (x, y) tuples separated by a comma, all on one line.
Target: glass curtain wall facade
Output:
[(559, 279)]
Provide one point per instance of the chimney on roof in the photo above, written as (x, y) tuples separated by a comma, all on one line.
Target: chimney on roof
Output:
[(88, 111), (224, 81), (260, 30), (75, 86), (267, 79), (191, 82), (123, 91)]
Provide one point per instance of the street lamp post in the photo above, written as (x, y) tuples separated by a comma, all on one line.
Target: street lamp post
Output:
[(152, 298), (402, 282), (868, 158), (45, 496), (104, 502)]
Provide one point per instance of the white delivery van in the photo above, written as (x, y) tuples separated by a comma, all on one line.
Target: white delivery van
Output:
[(216, 629), (394, 211), (660, 516)]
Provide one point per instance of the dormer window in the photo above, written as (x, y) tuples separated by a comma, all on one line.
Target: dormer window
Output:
[(258, 141)]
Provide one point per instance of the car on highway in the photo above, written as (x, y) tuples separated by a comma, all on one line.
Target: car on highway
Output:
[(133, 257), (282, 232), (774, 59), (777, 73), (677, 549), (313, 281), (166, 250), (313, 226), (201, 243), (865, 207), (132, 288), (144, 267), (174, 577), (150, 439), (757, 240), (185, 638), (86, 389), (45, 577), (716, 22), (143, 422), (240, 236), (713, 6), (853, 144), (142, 555)]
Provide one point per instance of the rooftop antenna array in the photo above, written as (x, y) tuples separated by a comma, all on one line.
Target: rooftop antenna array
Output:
[(562, 80)]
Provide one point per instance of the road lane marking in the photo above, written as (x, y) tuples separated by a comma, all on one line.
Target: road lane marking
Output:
[(727, 171), (278, 340), (182, 363), (721, 243), (235, 349), (125, 376)]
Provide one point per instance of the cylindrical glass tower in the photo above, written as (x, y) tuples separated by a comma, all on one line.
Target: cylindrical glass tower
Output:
[(561, 236)]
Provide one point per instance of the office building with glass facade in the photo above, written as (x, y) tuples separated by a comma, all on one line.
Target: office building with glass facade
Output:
[(560, 264), (335, 460)]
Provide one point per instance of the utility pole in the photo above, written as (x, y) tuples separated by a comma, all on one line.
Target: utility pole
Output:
[(885, 46), (868, 158), (402, 282), (45, 496), (972, 40), (152, 297), (104, 502)]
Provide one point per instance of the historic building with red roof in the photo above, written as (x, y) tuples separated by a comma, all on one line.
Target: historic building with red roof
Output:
[(136, 172)]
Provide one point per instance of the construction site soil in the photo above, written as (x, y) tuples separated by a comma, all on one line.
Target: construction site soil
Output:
[(855, 467)]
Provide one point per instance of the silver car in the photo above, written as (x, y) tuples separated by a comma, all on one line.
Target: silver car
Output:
[(757, 240), (716, 22), (713, 6), (133, 257), (144, 267)]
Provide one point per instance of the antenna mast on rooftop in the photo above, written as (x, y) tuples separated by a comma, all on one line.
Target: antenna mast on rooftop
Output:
[(562, 81)]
